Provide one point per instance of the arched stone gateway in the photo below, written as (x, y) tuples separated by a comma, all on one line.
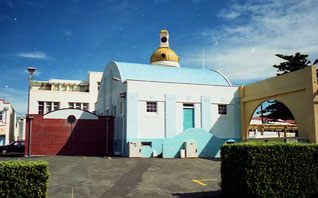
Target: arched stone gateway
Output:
[(297, 90)]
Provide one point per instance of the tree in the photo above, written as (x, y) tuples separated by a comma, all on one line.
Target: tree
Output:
[(277, 110), (292, 63)]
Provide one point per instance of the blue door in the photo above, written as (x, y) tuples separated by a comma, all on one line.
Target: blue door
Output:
[(188, 119)]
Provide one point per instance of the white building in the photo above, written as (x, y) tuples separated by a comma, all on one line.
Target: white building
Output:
[(7, 123), (46, 96), (158, 105)]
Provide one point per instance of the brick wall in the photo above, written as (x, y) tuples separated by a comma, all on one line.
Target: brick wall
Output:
[(58, 137)]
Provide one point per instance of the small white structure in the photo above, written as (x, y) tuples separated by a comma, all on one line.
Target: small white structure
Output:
[(157, 102), (7, 123), (47, 96)]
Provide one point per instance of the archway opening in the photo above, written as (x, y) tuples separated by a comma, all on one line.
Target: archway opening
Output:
[(272, 120)]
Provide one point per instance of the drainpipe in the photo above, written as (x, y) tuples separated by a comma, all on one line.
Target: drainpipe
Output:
[(30, 136), (107, 119)]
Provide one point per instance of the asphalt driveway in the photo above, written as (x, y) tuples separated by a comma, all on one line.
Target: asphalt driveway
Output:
[(123, 177)]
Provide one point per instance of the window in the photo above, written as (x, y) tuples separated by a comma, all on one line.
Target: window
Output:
[(222, 109), (152, 107), (71, 88), (1, 115), (63, 88), (122, 108), (71, 105), (55, 87), (114, 111), (85, 106), (78, 106), (56, 106), (41, 108), (48, 107), (98, 85)]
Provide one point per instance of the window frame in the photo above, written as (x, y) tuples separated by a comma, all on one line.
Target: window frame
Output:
[(39, 111), (151, 107), (221, 111)]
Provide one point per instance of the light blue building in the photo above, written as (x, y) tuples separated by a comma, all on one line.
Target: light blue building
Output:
[(162, 108)]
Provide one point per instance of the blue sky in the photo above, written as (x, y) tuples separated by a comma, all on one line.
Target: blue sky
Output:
[(65, 39)]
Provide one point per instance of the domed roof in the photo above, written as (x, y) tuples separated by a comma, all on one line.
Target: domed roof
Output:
[(164, 54)]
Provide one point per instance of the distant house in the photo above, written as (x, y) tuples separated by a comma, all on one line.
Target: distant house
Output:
[(47, 96), (7, 123)]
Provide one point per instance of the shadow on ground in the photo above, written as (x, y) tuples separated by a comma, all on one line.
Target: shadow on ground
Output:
[(213, 194)]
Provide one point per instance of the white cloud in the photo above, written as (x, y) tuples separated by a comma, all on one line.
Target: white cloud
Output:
[(229, 15), (35, 55), (16, 97), (246, 46)]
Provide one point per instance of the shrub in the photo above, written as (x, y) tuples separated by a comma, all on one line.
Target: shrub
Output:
[(24, 178), (269, 170)]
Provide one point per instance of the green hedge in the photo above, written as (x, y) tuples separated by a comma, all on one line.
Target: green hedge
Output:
[(24, 178), (269, 170)]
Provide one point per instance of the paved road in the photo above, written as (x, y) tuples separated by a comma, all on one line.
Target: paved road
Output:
[(123, 177)]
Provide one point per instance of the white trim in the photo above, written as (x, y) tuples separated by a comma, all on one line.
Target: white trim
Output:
[(168, 63), (227, 80)]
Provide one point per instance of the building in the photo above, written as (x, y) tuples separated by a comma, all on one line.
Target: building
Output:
[(47, 96), (20, 127), (161, 107), (7, 123)]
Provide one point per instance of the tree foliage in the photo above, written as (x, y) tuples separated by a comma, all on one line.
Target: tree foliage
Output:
[(292, 63), (277, 110)]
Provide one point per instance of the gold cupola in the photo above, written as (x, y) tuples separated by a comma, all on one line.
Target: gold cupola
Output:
[(164, 55)]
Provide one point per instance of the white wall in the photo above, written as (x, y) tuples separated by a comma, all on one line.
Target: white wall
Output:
[(153, 126), (8, 123), (64, 97), (150, 124)]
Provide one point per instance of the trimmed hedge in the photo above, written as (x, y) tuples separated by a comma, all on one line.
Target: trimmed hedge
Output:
[(24, 178), (269, 170)]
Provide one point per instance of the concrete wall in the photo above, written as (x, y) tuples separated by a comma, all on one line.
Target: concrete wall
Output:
[(155, 125), (297, 90), (108, 98)]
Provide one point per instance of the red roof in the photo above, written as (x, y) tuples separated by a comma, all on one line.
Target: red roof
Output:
[(282, 121)]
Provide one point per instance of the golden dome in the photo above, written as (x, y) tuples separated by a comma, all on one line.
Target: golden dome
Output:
[(164, 31), (164, 54)]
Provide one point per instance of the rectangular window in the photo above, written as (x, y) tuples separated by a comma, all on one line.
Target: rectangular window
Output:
[(152, 107), (48, 107), (1, 115), (78, 106), (55, 87), (85, 106), (71, 88), (114, 111), (41, 108), (98, 85), (63, 88), (56, 105), (122, 108), (222, 109), (71, 105)]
